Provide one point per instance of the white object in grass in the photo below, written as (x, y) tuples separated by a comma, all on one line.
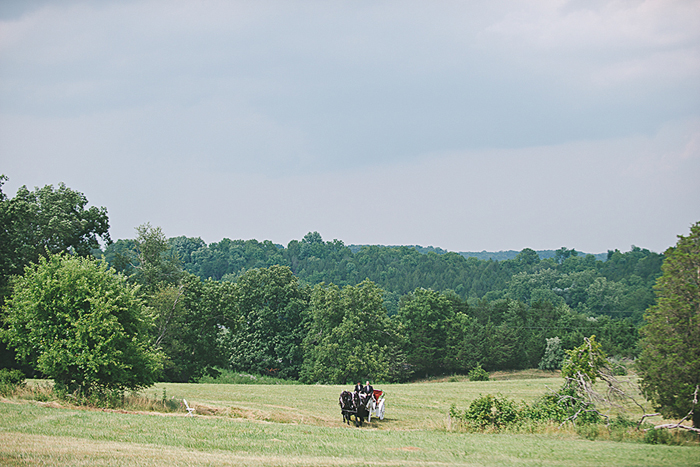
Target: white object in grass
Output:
[(189, 409)]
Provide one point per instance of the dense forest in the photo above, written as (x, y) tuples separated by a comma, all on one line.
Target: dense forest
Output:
[(321, 311), (438, 313), (620, 286)]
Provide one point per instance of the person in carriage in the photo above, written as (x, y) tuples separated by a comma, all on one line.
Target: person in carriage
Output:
[(368, 389)]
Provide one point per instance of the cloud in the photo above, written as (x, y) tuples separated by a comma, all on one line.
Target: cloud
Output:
[(464, 125)]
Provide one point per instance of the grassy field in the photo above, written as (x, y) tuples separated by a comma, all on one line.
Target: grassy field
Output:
[(301, 425)]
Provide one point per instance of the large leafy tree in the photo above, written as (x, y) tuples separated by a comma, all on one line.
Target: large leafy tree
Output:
[(191, 316), (670, 358), (272, 308), (44, 220), (192, 320), (81, 324), (47, 219), (426, 316), (351, 338)]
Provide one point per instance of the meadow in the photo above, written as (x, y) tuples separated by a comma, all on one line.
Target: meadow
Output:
[(239, 424)]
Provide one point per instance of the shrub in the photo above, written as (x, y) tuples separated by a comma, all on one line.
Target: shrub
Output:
[(561, 406), (488, 411), (496, 412), (478, 374), (10, 381)]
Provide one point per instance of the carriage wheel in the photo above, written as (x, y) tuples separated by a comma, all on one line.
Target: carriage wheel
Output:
[(381, 412)]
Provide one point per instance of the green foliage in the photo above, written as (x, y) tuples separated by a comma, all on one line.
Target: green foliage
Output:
[(192, 322), (272, 308), (227, 376), (585, 361), (10, 381), (426, 317), (563, 405), (617, 367), (670, 358), (46, 219), (154, 262), (571, 278), (82, 325), (527, 300), (478, 374), (350, 337), (553, 355), (192, 317), (489, 412), (670, 437)]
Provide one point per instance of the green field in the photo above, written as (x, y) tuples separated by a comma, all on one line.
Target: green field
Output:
[(301, 425)]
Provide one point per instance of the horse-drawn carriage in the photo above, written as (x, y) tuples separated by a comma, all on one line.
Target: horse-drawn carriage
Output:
[(362, 406)]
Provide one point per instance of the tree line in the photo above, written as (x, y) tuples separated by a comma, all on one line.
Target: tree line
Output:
[(154, 308), (259, 307), (621, 286)]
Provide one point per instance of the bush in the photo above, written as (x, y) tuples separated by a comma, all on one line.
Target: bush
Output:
[(618, 368), (496, 412), (478, 374), (10, 381), (561, 406), (488, 412), (670, 437)]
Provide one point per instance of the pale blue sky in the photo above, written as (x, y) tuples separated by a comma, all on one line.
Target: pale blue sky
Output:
[(465, 125)]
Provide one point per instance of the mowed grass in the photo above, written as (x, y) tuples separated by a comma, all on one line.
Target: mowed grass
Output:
[(301, 425)]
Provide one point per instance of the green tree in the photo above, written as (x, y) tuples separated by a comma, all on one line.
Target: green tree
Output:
[(426, 317), (193, 319), (155, 263), (553, 355), (585, 362), (81, 324), (350, 337), (670, 359), (272, 307), (46, 219)]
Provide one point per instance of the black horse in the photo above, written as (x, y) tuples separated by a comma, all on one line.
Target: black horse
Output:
[(361, 401), (354, 403), (346, 405)]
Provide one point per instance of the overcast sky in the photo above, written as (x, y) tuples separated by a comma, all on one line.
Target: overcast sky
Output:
[(466, 125)]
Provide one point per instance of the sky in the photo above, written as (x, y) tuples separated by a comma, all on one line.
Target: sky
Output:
[(469, 126)]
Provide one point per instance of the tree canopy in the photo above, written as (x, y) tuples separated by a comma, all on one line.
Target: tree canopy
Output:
[(670, 358), (81, 324), (350, 337), (44, 220), (272, 308)]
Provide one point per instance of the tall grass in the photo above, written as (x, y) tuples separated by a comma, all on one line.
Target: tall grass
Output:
[(227, 376), (44, 391)]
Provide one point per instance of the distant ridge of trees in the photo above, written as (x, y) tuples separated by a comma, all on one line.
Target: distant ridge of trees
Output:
[(500, 255), (619, 286)]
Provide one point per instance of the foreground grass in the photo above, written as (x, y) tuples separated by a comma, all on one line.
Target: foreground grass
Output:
[(36, 435), (301, 425)]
